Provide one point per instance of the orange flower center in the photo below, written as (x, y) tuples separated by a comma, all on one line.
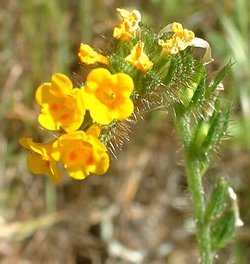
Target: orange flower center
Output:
[(80, 153), (106, 95), (53, 107), (73, 156), (65, 116)]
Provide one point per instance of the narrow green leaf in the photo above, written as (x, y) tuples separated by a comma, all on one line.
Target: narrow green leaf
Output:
[(170, 73), (197, 80), (218, 78), (223, 230), (218, 124), (198, 96), (214, 132), (218, 201)]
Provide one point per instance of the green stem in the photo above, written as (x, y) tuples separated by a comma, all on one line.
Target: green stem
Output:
[(194, 179), (50, 197)]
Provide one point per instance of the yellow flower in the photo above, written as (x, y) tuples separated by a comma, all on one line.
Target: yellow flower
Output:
[(181, 39), (88, 56), (126, 29), (61, 105), (107, 96), (139, 59), (39, 159), (81, 154)]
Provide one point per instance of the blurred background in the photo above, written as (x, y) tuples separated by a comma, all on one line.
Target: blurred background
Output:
[(139, 212)]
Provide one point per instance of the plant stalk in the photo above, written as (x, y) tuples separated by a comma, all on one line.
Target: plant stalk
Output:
[(194, 179)]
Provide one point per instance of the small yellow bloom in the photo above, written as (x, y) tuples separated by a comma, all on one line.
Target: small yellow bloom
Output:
[(139, 59), (126, 29), (61, 105), (39, 159), (81, 154), (88, 56), (107, 96), (181, 39)]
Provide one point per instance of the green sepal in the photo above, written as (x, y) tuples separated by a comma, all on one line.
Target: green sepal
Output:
[(214, 131), (187, 92), (199, 93), (151, 44), (200, 133), (218, 126), (107, 132), (169, 72), (223, 230), (218, 201), (164, 68)]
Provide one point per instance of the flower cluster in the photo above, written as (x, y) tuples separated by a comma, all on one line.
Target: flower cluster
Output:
[(137, 67), (107, 98), (180, 40), (129, 24)]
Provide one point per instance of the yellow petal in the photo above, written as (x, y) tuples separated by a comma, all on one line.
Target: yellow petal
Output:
[(79, 134), (43, 94), (47, 121), (102, 115), (25, 142), (98, 75), (36, 164), (55, 174), (123, 12), (61, 82), (102, 167), (89, 56), (38, 148), (177, 27), (73, 124), (126, 82), (126, 109), (77, 174)]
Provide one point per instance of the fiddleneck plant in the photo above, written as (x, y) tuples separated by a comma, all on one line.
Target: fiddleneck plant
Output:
[(138, 70)]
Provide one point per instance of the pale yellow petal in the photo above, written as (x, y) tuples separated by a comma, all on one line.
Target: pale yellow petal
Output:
[(123, 12)]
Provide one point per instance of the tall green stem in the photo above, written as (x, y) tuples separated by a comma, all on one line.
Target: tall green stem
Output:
[(194, 179)]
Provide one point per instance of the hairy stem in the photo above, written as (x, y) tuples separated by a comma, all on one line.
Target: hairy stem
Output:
[(194, 179)]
